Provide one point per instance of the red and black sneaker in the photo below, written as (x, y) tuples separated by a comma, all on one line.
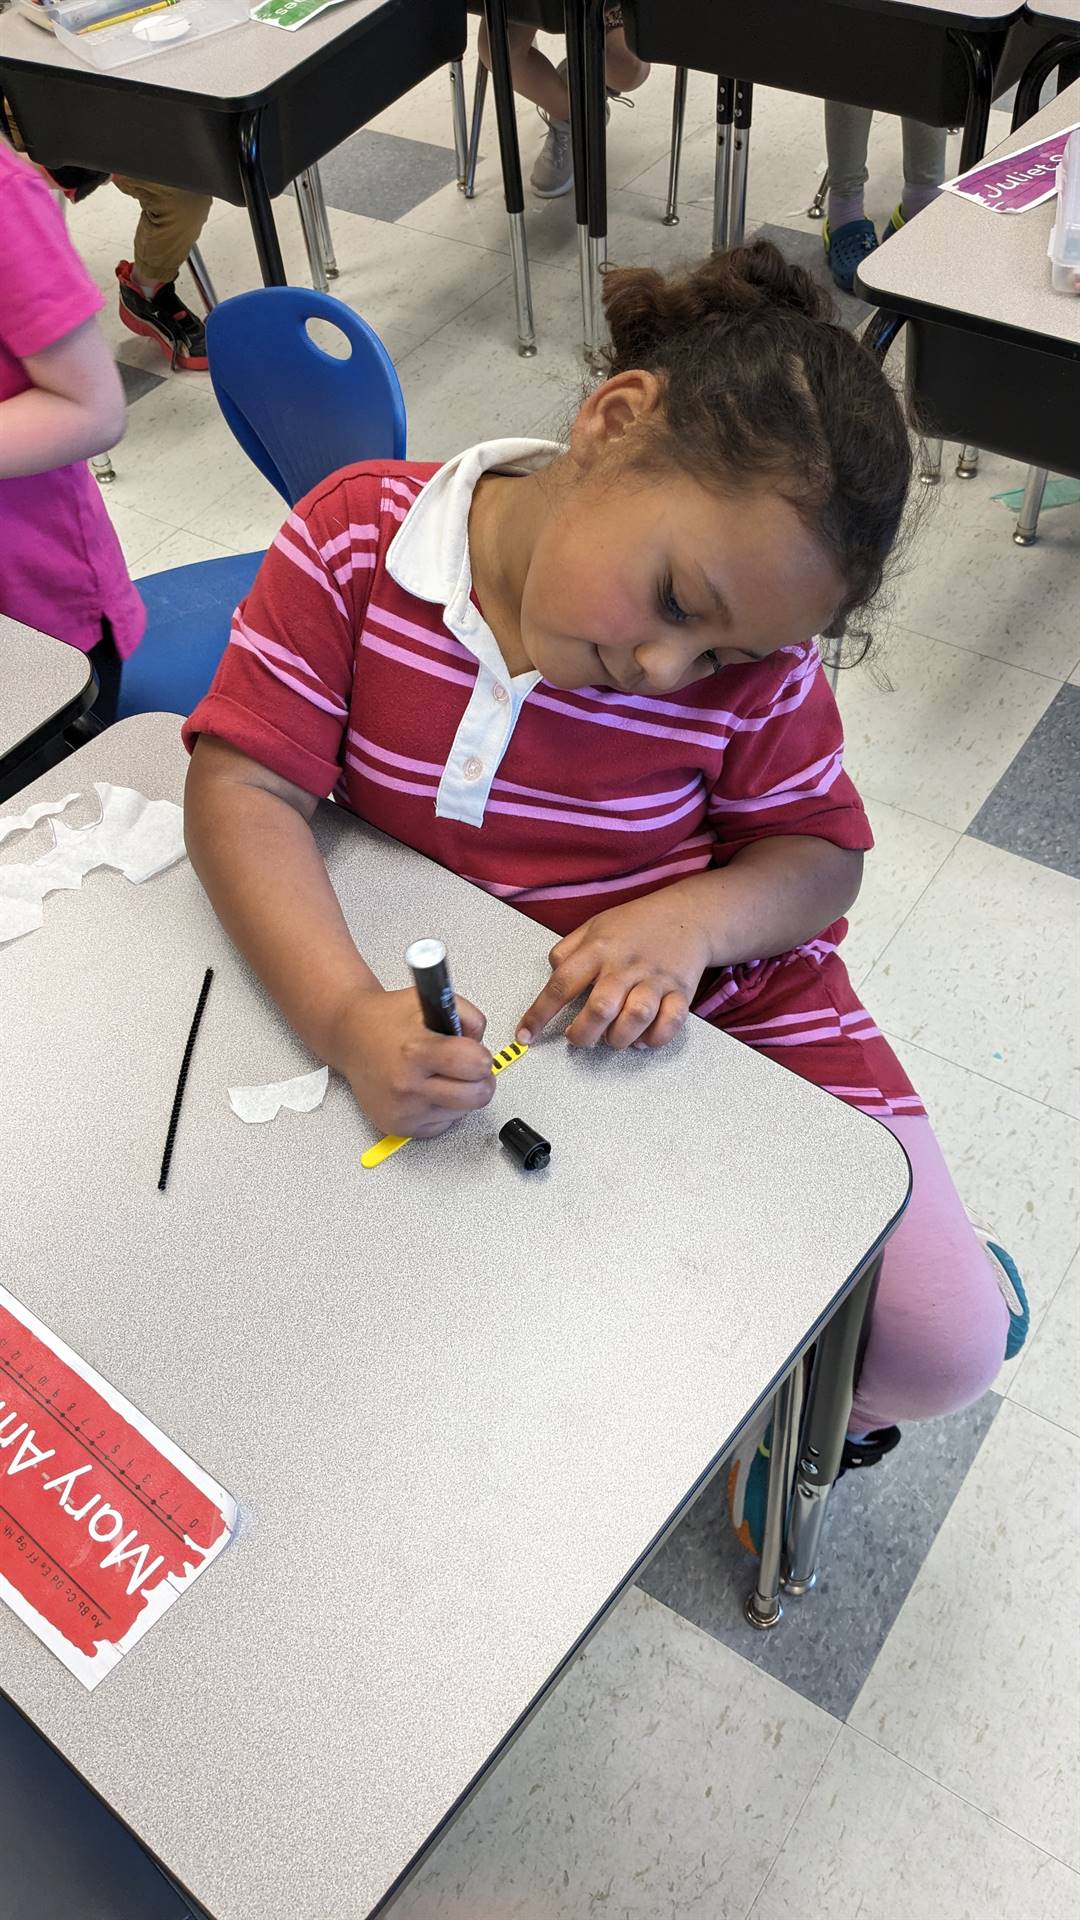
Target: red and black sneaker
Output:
[(161, 317)]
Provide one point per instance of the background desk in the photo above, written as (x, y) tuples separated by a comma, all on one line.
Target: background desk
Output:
[(238, 115), (993, 352), (44, 686), (457, 1404)]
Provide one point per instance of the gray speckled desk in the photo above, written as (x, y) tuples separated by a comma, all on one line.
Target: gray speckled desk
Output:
[(44, 685), (457, 1405), (993, 351), (237, 115)]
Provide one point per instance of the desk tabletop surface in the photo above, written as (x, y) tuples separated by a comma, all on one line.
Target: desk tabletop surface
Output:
[(958, 262), (455, 1403), (242, 64), (1067, 11), (974, 14), (39, 677)]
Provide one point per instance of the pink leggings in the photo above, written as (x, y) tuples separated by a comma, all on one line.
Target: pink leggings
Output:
[(937, 1336)]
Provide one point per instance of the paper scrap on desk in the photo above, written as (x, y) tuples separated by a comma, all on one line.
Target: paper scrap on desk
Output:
[(289, 14), (104, 1523), (21, 822), (303, 1094), (136, 836), (1014, 182)]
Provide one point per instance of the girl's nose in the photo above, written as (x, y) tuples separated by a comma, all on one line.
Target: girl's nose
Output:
[(662, 666)]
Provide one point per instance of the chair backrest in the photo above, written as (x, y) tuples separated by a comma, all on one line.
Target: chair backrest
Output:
[(299, 412)]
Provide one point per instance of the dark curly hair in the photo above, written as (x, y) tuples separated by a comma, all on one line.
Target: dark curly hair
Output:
[(761, 381)]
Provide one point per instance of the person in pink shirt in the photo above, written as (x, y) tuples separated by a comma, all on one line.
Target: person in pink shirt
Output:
[(61, 567)]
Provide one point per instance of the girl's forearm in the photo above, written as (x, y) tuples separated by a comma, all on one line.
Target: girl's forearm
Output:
[(773, 896), (257, 859), (40, 431)]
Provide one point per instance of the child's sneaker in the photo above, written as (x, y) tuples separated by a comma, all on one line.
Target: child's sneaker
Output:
[(553, 168), (162, 317), (1012, 1291), (847, 248)]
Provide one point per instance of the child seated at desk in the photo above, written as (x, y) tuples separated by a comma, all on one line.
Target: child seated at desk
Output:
[(61, 568), (586, 679)]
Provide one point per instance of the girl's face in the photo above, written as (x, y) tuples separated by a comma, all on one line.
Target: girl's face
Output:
[(648, 581)]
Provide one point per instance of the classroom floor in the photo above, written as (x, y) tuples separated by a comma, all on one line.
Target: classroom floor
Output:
[(907, 1741)]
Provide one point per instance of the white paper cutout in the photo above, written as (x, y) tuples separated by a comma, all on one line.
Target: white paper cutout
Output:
[(136, 836), (21, 822), (259, 1104)]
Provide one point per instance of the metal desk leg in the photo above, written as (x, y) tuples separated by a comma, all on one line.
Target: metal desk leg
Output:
[(816, 209), (678, 117), (828, 1410), (257, 200), (1026, 531), (574, 22), (499, 51), (479, 96), (763, 1606), (309, 220), (930, 463), (967, 464), (595, 175), (725, 93), (204, 286), (742, 109), (980, 72), (102, 468), (318, 198), (457, 108)]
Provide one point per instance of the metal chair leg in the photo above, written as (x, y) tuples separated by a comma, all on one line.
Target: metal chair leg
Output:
[(510, 153), (678, 116), (742, 108), (479, 96), (828, 1411), (1026, 531), (319, 202), (102, 468), (816, 209), (457, 109), (204, 286), (763, 1606), (967, 463), (309, 221), (930, 465), (725, 90)]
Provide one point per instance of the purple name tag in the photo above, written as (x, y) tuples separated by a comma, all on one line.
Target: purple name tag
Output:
[(1014, 181)]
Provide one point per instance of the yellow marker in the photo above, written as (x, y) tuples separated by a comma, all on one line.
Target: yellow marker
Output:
[(390, 1142)]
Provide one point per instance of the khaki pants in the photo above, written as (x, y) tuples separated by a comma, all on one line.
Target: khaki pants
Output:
[(169, 226)]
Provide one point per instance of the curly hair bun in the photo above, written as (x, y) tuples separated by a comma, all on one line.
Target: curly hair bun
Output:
[(647, 313)]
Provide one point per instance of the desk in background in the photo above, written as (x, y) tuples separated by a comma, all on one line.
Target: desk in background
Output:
[(459, 1405), (44, 686)]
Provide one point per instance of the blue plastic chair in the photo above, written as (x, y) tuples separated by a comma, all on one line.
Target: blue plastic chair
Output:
[(299, 413)]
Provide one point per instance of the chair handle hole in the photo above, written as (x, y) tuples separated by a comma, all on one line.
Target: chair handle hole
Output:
[(328, 338)]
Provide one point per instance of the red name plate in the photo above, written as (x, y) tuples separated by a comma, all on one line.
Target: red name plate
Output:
[(103, 1522)]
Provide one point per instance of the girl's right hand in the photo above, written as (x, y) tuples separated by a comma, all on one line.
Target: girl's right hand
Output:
[(406, 1079)]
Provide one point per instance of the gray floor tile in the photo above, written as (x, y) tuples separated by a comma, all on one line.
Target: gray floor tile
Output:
[(880, 1527), (383, 175), (1035, 808), (806, 250), (137, 380)]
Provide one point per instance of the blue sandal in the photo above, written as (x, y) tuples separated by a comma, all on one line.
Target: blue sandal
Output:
[(847, 248)]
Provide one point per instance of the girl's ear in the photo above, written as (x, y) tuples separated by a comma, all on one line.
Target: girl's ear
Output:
[(621, 406)]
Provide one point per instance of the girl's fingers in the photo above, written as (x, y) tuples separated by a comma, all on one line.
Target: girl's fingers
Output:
[(602, 1008), (640, 1009), (437, 1056), (473, 1022), (453, 1096), (569, 979), (671, 1017)]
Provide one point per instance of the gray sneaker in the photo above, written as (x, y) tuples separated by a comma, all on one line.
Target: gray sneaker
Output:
[(553, 171)]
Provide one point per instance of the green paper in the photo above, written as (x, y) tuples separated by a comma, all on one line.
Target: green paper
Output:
[(1060, 492)]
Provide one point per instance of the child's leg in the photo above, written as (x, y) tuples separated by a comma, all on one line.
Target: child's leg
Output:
[(625, 72), (938, 1331), (847, 136), (533, 74), (924, 165), (170, 222)]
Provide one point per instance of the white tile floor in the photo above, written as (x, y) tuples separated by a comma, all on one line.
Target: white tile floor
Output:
[(667, 1777)]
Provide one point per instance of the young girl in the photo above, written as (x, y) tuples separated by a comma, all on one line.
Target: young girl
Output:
[(586, 679), (536, 79), (61, 568), (848, 236)]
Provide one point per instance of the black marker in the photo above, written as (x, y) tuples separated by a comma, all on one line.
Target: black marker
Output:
[(426, 960)]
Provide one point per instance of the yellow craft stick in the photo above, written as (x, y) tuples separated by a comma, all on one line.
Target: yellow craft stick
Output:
[(391, 1142), (136, 13)]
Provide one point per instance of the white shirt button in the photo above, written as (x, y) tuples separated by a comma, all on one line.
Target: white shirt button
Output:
[(473, 767), (499, 693)]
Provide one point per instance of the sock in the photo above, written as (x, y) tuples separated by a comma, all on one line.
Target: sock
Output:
[(844, 207), (147, 288), (914, 199), (858, 1438)]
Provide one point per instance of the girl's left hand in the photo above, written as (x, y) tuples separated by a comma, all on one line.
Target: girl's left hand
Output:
[(640, 965)]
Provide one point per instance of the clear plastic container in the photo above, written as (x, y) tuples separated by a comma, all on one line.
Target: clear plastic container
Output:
[(1064, 248), (92, 30)]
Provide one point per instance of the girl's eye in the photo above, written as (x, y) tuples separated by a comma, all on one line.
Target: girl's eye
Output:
[(669, 606)]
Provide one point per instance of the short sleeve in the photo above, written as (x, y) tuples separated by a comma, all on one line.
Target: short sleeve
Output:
[(283, 688), (783, 768), (47, 291)]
